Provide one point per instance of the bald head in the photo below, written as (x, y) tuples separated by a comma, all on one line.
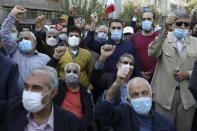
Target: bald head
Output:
[(139, 87)]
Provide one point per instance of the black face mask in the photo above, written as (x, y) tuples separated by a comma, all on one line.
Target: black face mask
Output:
[(194, 34)]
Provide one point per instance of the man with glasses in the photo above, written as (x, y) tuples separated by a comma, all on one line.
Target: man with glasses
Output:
[(35, 110), (176, 53), (141, 40), (74, 97)]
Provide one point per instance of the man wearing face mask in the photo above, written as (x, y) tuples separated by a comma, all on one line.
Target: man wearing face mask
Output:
[(63, 37), (102, 32), (127, 32), (176, 55), (24, 52), (115, 38), (35, 110), (135, 116), (193, 28), (75, 54), (141, 40), (74, 97)]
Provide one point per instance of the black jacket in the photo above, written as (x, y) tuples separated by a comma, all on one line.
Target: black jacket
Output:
[(86, 102), (8, 83), (16, 118)]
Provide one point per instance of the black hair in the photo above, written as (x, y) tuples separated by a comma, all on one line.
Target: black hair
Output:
[(115, 20), (73, 29), (149, 12)]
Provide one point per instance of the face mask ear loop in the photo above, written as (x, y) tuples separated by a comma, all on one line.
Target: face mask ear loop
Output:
[(46, 94)]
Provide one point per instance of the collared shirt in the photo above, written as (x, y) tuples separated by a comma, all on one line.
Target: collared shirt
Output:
[(26, 63), (72, 102), (179, 43), (73, 54), (32, 126), (123, 94)]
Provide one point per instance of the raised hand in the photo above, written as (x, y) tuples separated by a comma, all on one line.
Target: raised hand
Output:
[(137, 12), (17, 10), (72, 10), (170, 20), (39, 22), (59, 52), (106, 51), (94, 17)]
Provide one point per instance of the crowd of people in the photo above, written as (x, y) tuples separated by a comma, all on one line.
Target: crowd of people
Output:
[(97, 77)]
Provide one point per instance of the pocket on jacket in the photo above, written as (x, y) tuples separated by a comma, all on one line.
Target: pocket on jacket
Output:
[(168, 56)]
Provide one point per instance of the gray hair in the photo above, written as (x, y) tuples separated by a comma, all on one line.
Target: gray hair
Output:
[(134, 81), (52, 74), (182, 14), (31, 34), (71, 64), (126, 55), (52, 31)]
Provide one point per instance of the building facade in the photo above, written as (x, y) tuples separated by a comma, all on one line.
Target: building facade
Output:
[(52, 9)]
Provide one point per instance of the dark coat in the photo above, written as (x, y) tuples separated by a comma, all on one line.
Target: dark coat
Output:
[(16, 118), (124, 118), (86, 102), (8, 83)]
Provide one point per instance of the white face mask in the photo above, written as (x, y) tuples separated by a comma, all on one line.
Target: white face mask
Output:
[(52, 41), (73, 41), (32, 101)]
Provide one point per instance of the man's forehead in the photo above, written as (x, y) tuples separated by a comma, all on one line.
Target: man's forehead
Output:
[(182, 20), (72, 67), (126, 58), (74, 33), (116, 24), (38, 78), (139, 86), (25, 34), (147, 15)]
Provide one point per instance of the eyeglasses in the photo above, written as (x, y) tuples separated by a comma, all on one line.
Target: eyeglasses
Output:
[(126, 62), (181, 23), (73, 71)]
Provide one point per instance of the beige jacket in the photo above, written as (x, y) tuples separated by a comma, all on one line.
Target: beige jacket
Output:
[(164, 48)]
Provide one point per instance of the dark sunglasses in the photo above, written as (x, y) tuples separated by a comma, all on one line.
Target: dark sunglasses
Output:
[(74, 71), (126, 62), (181, 23)]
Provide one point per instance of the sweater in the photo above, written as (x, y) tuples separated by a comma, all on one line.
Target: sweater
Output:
[(84, 60)]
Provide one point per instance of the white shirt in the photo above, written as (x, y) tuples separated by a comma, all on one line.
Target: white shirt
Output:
[(179, 43)]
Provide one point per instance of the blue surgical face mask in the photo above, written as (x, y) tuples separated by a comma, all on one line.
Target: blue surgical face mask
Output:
[(25, 46), (116, 35), (180, 33), (63, 36), (147, 25), (102, 36), (14, 36), (142, 105)]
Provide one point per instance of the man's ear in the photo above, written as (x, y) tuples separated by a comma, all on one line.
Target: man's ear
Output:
[(153, 95), (54, 93), (128, 100)]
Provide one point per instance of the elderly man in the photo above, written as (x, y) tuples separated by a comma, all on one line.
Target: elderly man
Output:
[(24, 53), (9, 80), (176, 54), (35, 110), (138, 114), (74, 97)]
